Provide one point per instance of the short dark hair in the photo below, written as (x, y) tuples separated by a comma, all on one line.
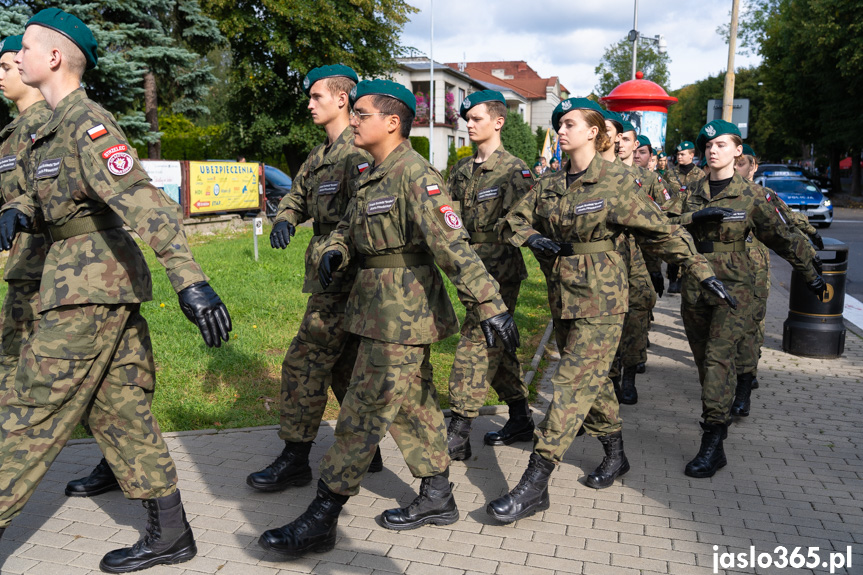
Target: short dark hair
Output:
[(394, 107)]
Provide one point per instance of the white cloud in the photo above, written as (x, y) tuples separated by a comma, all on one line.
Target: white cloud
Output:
[(567, 39)]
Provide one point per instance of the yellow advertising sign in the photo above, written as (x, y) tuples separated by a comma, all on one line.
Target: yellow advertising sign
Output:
[(223, 186)]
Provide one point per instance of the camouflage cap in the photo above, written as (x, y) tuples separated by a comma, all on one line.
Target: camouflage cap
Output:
[(685, 145), (384, 88), (643, 141), (713, 130), (478, 98), (73, 28), (333, 71), (10, 44), (570, 104), (748, 151), (626, 126)]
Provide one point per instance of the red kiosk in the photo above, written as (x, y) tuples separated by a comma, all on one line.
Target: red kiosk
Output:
[(645, 104)]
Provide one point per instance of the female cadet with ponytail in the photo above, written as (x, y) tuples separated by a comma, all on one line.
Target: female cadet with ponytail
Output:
[(571, 220)]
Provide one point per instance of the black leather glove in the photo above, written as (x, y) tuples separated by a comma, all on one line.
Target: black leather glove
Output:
[(11, 222), (330, 262), (817, 286), (281, 235), (658, 283), (540, 243), (205, 309), (817, 264), (505, 327), (717, 288), (817, 240), (710, 215)]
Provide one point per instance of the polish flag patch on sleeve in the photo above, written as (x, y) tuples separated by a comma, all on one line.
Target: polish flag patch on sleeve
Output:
[(525, 174), (97, 131), (666, 194), (362, 167), (433, 189)]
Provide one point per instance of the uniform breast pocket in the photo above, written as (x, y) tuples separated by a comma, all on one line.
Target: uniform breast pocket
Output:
[(487, 205), (57, 185), (383, 223), (548, 209), (588, 217), (330, 200)]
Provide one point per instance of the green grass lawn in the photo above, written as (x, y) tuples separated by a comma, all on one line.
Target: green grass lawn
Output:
[(238, 385)]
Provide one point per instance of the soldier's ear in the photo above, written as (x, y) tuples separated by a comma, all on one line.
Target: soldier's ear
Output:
[(394, 123)]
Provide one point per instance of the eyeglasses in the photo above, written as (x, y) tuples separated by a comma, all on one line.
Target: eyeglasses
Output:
[(363, 115)]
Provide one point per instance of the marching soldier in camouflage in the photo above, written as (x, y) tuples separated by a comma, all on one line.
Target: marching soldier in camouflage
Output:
[(681, 179), (400, 224), (322, 354), (720, 213), (573, 217), (484, 187), (749, 347), (90, 355), (27, 256)]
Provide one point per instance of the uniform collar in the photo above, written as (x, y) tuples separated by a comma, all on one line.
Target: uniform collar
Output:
[(60, 112), (22, 117), (594, 170), (378, 172), (734, 189), (344, 139)]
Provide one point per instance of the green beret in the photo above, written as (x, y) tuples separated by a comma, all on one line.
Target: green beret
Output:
[(661, 155), (643, 141), (748, 151), (713, 130), (685, 145), (72, 27), (479, 98), (569, 105), (614, 118), (702, 162), (334, 71), (627, 127), (10, 44), (384, 88)]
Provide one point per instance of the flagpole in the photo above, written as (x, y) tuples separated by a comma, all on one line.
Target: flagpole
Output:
[(431, 86)]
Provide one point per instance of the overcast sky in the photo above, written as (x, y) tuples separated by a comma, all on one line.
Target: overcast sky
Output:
[(568, 38)]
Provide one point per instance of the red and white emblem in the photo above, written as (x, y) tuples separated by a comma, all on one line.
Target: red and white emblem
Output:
[(97, 131), (114, 150), (452, 220), (120, 164)]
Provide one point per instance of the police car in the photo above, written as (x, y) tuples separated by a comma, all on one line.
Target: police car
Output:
[(801, 195)]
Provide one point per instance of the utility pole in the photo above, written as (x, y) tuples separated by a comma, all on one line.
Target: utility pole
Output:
[(728, 96), (431, 87), (635, 39)]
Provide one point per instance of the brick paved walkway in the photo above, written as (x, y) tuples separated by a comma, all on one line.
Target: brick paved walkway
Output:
[(793, 479)]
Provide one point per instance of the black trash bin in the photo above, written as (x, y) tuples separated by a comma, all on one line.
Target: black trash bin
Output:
[(815, 328)]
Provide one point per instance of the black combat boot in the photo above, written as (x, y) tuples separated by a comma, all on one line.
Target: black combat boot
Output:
[(313, 531), (641, 366), (435, 504), (711, 456), (100, 480), (518, 428), (377, 463), (754, 381), (168, 540), (673, 279), (458, 437), (742, 395), (613, 465), (628, 393), (2, 531), (528, 497), (290, 469)]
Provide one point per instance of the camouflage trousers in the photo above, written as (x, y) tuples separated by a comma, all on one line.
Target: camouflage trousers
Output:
[(476, 365), (714, 333), (93, 362), (749, 348), (636, 325), (20, 308), (391, 390), (322, 355), (583, 394)]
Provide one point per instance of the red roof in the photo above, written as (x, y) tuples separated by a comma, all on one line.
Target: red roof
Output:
[(524, 80)]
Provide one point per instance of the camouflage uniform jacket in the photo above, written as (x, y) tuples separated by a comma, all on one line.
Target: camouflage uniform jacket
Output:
[(81, 164), (484, 196), (795, 220), (322, 191), (680, 185), (753, 212), (401, 207), (651, 184), (599, 206), (28, 252)]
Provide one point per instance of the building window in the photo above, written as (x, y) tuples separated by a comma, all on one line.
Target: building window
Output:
[(450, 142), (461, 96), (461, 142)]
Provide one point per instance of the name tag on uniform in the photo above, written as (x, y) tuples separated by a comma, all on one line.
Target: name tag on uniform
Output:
[(7, 163), (48, 168), (380, 205), (488, 194), (736, 216), (328, 188), (591, 206)]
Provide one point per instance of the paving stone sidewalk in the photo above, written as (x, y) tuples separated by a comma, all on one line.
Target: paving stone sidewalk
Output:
[(793, 479)]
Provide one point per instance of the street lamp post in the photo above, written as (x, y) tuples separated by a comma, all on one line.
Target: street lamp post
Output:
[(431, 85), (634, 36)]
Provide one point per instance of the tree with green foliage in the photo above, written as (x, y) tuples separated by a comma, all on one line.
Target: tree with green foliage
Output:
[(615, 67), (274, 43), (517, 137), (540, 139)]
